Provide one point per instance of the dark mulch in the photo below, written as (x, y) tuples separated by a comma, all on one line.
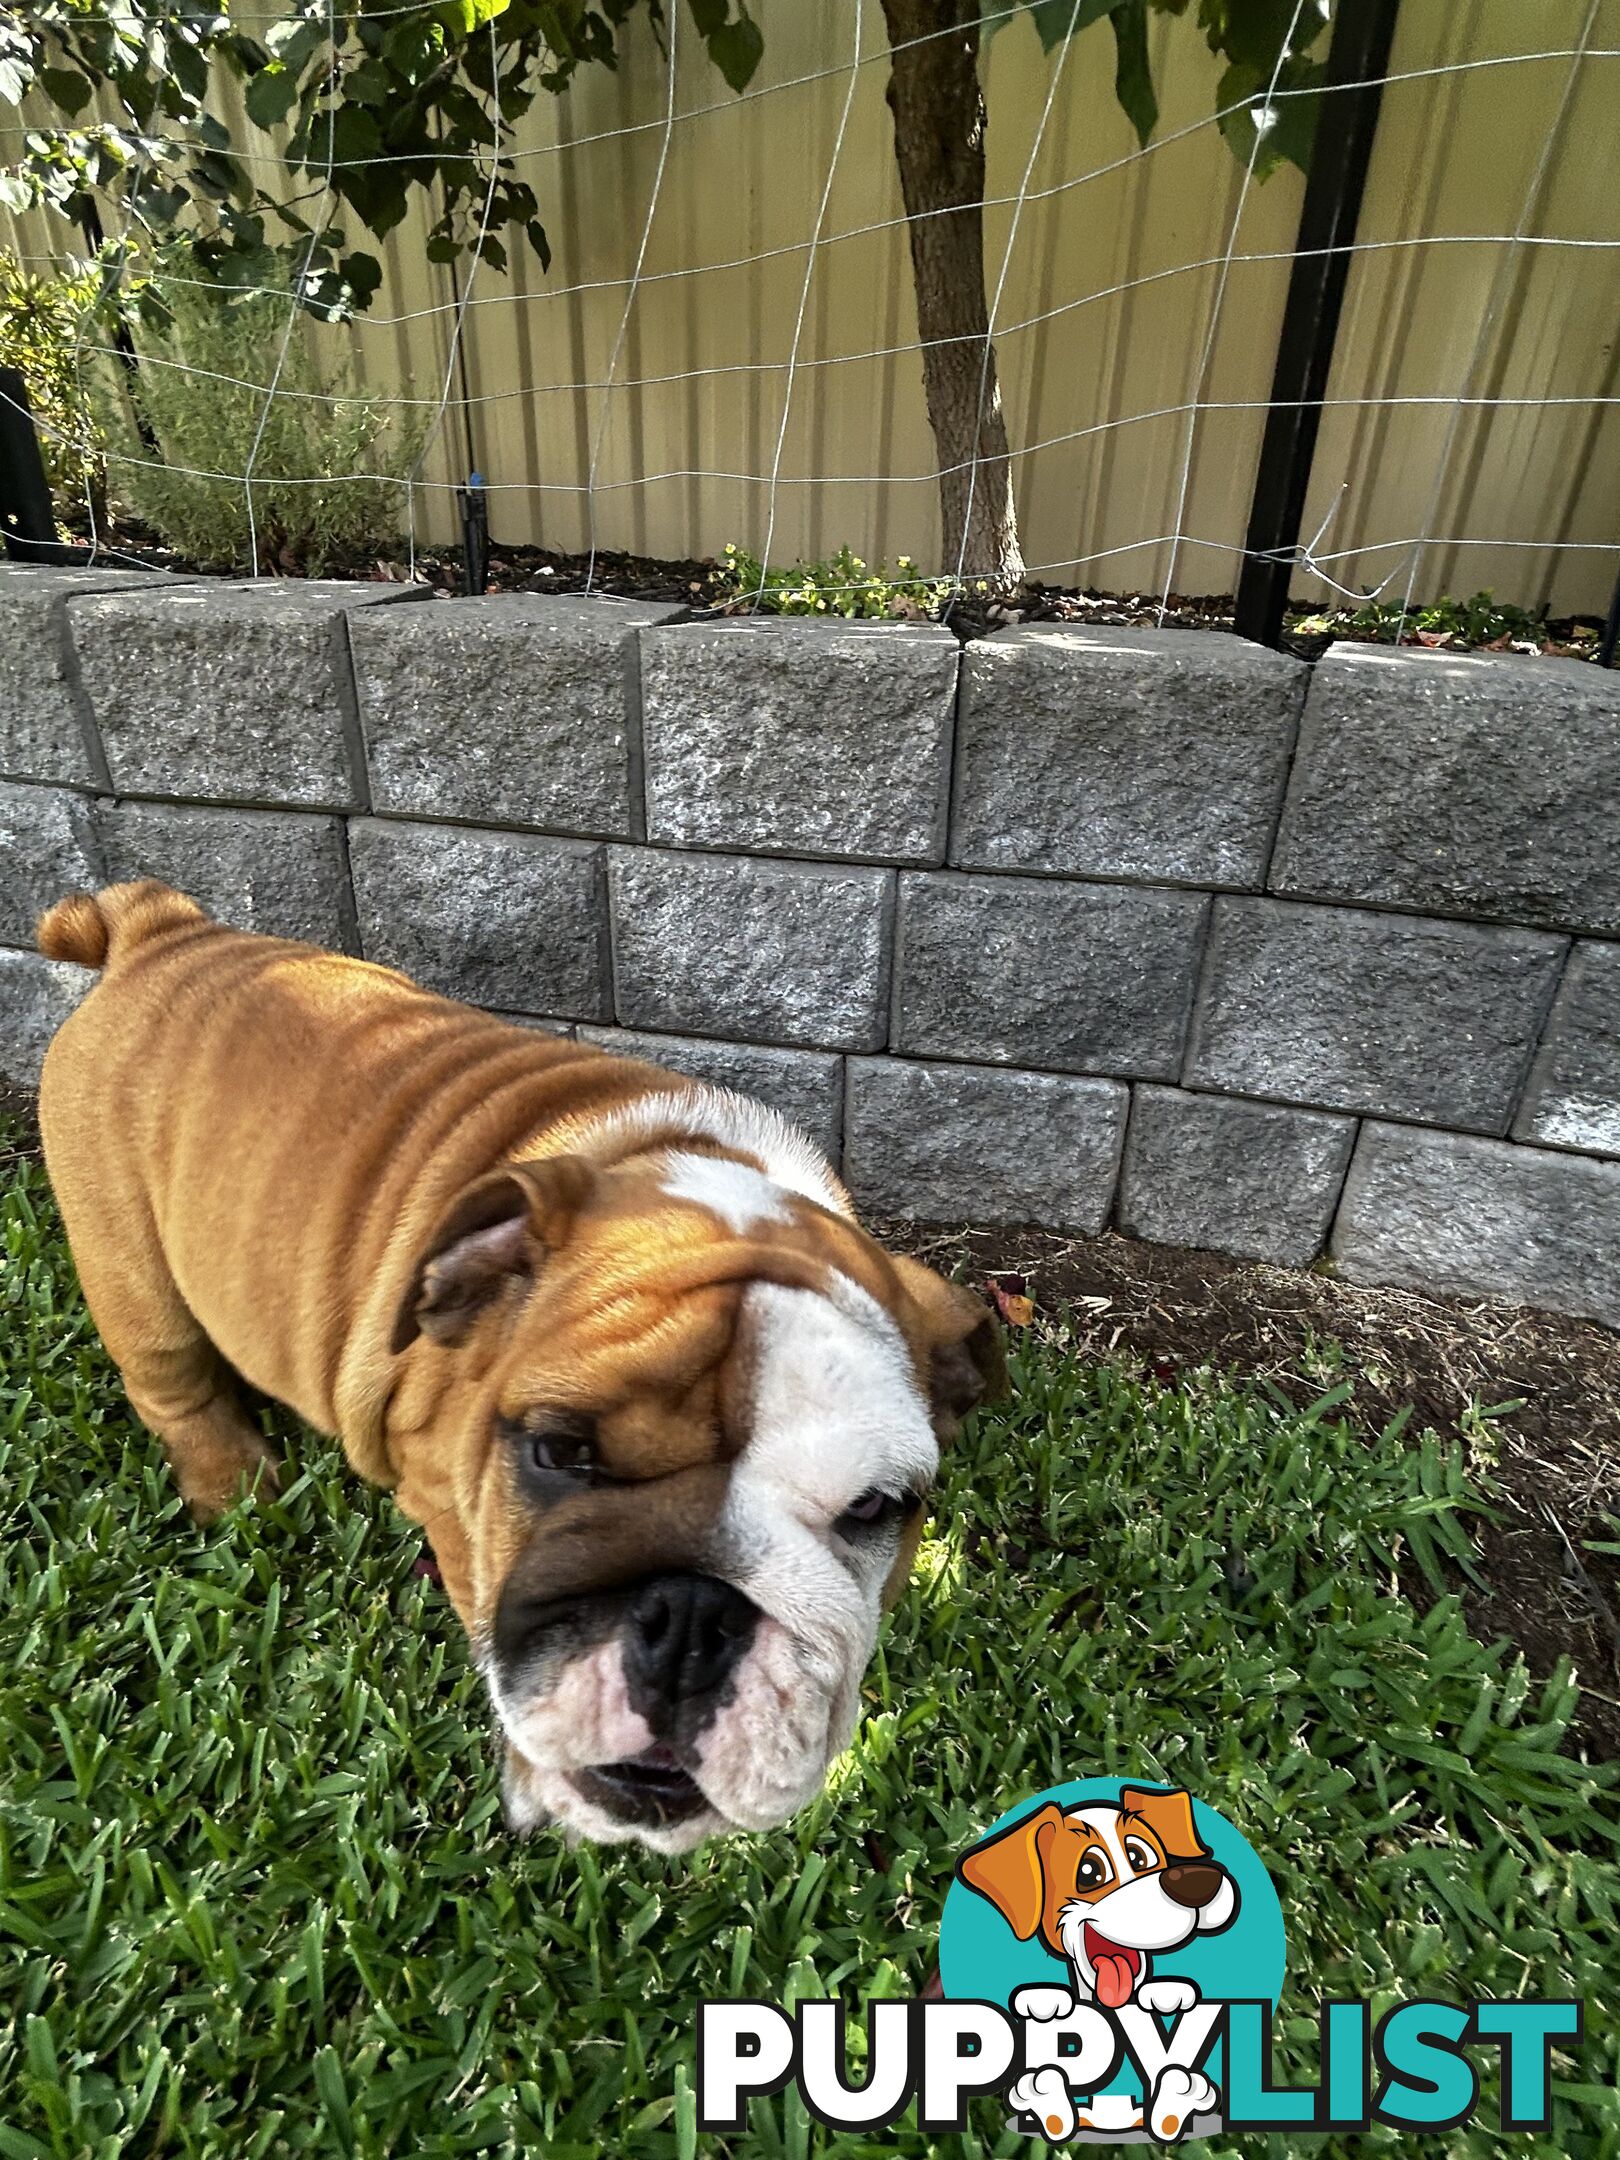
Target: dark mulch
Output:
[(701, 585), (1549, 1452)]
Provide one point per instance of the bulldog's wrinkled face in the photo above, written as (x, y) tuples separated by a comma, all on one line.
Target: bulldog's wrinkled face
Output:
[(691, 1420)]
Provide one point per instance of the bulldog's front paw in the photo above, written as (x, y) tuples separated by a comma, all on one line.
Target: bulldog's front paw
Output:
[(1179, 2096), (1044, 2094), (1042, 2003), (212, 1478), (1167, 1998)]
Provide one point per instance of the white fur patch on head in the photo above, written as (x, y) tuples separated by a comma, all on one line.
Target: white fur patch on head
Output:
[(791, 1159), (834, 1411), (740, 1195), (835, 1407)]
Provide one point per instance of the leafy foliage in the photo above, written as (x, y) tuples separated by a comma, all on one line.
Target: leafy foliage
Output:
[(845, 585), (1266, 90), (327, 457), (39, 333), (1482, 622), (356, 112), (256, 1898)]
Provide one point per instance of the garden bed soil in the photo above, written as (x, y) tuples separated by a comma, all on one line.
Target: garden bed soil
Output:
[(705, 587), (1548, 1454)]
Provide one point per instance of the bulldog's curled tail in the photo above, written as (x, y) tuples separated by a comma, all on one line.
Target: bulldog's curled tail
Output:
[(92, 928)]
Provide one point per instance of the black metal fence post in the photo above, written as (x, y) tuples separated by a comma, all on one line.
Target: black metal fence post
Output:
[(1359, 55), (27, 521)]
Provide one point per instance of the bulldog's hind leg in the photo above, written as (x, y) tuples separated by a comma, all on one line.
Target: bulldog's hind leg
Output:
[(176, 1380)]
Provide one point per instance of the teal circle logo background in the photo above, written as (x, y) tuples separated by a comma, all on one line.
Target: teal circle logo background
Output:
[(980, 1956)]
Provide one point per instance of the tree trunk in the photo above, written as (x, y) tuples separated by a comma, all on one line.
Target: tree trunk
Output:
[(939, 122)]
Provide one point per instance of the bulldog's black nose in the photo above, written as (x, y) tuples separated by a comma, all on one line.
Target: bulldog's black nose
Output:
[(683, 1634), (1191, 1882)]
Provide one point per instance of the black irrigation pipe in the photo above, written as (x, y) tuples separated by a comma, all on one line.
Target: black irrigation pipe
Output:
[(1363, 31)]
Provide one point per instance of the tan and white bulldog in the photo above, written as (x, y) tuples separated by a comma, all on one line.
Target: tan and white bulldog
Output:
[(666, 1413)]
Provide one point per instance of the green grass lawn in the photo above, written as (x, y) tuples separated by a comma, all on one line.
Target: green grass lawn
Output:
[(255, 1894)]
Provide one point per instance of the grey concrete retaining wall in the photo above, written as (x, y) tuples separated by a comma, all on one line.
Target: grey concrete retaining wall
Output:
[(1073, 927)]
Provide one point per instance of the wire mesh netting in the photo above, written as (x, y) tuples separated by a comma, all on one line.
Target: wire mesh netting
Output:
[(724, 346)]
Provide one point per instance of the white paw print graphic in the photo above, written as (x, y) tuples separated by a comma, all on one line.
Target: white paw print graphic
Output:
[(1177, 2098), (1045, 2095), (1167, 1998), (1042, 2003)]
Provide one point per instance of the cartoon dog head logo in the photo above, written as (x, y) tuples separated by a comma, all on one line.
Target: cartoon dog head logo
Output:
[(1103, 1915), (1105, 1886)]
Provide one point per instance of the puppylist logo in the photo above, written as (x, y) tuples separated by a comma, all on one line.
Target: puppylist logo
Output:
[(1111, 1955)]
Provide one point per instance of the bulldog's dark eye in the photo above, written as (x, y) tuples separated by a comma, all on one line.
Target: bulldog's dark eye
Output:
[(555, 1443), (875, 1506)]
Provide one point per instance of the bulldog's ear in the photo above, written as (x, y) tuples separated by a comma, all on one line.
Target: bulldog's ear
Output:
[(1169, 1816), (1010, 1869), (966, 1361), (493, 1231)]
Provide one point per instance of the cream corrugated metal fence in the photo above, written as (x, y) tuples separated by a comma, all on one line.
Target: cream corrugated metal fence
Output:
[(1473, 399)]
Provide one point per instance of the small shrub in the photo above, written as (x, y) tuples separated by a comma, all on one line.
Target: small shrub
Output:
[(40, 319), (1482, 622), (330, 459), (845, 585)]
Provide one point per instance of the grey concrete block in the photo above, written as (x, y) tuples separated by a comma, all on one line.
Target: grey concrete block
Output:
[(1158, 754), (805, 1085), (1573, 1096), (47, 848), (1248, 1178), (510, 710), (46, 732), (502, 919), (1379, 1013), (762, 951), (800, 738), (1482, 1218), (971, 1144), (36, 996), (277, 871), (1022, 971), (235, 693), (1480, 784)]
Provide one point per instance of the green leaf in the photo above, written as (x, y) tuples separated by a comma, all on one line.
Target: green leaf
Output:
[(293, 43), (368, 84), (1133, 76), (68, 89), (270, 95), (14, 78), (1287, 130), (1055, 20), (355, 136), (462, 17), (1252, 32), (736, 50)]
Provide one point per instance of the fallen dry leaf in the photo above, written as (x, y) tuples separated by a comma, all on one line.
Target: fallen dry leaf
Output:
[(1009, 1295)]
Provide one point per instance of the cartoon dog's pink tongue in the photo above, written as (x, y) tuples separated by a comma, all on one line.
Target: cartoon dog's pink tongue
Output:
[(1115, 1966)]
